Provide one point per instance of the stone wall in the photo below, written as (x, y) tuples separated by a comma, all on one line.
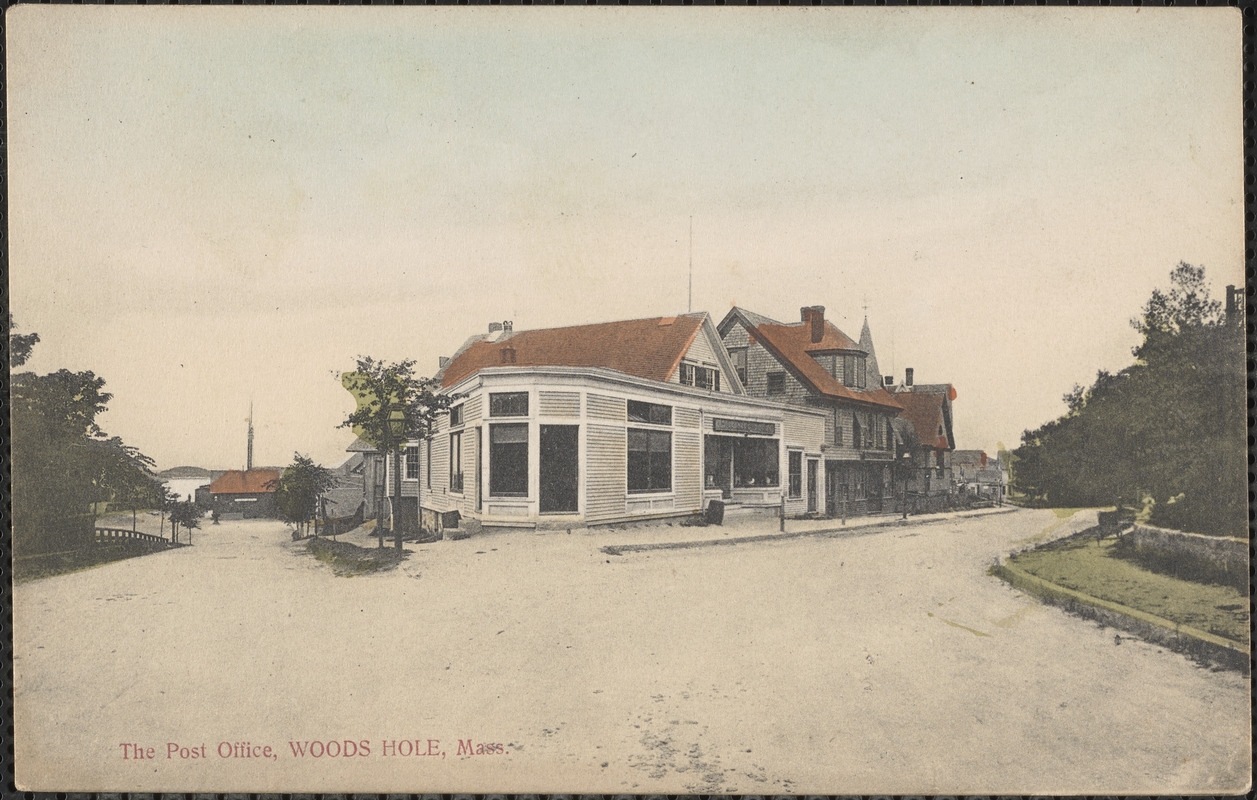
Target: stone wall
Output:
[(1193, 555)]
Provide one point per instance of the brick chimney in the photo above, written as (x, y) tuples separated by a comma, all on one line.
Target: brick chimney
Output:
[(508, 355), (508, 326), (494, 327), (442, 362), (907, 377), (814, 316), (1232, 301)]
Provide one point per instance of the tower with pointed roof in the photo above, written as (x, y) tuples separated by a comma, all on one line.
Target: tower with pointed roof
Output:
[(866, 344)]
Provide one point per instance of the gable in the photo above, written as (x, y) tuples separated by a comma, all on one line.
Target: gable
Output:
[(706, 351)]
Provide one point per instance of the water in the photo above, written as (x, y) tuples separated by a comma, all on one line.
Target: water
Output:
[(186, 488)]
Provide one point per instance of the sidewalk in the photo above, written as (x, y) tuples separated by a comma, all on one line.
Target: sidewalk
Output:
[(665, 536)]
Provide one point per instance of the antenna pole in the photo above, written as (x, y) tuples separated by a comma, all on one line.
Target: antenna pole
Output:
[(249, 457), (689, 304)]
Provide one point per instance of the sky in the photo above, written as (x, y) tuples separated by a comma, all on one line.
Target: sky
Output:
[(218, 206)]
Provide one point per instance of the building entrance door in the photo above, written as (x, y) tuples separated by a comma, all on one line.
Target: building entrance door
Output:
[(718, 461), (560, 467)]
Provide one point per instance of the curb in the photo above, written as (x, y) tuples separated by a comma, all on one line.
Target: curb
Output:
[(1049, 591), (621, 549)]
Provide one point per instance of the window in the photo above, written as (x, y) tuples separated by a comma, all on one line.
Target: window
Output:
[(427, 467), (776, 383), (456, 462), (702, 377), (654, 413), (839, 421), (856, 439), (508, 404), (853, 371), (738, 354), (456, 414), (649, 461), (756, 463), (411, 470), (508, 460), (796, 473)]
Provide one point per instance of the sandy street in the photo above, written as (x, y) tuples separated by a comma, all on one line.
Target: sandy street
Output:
[(881, 663)]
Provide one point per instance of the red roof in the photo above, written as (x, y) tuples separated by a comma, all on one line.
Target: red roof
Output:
[(244, 482), (646, 348), (793, 345), (925, 411)]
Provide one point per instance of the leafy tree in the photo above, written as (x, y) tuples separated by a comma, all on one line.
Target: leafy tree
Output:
[(187, 514), (139, 490), (394, 408), (20, 345), (1170, 429), (298, 490), (63, 463)]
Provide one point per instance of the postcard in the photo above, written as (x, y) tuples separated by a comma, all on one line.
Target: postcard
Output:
[(616, 400)]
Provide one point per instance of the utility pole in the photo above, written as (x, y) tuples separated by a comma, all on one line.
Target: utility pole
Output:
[(689, 303), (249, 458)]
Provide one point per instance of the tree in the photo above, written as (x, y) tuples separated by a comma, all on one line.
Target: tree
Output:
[(20, 345), (394, 408), (298, 490), (166, 502), (63, 462), (1169, 429), (187, 514)]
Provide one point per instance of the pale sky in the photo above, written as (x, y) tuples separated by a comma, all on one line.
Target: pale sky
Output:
[(218, 205)]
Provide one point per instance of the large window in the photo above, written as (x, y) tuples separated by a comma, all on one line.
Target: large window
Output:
[(411, 470), (456, 461), (649, 461), (702, 377), (508, 460), (654, 413), (796, 473), (508, 404), (756, 463), (456, 414)]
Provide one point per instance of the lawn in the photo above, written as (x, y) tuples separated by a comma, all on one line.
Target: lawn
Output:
[(1091, 566)]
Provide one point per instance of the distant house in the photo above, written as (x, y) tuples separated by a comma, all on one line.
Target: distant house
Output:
[(928, 444), (601, 423), (244, 494), (812, 364), (347, 494), (979, 475), (369, 467)]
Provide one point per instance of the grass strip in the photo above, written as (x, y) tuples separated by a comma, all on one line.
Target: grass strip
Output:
[(348, 560)]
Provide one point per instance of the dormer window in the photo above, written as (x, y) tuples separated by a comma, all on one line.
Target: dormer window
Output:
[(853, 371), (701, 377)]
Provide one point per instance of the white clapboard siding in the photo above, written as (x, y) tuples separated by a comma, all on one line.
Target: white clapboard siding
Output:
[(685, 417), (687, 474), (612, 409), (471, 409), (606, 471), (558, 404)]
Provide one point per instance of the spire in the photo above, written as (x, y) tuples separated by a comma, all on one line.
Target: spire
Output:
[(866, 344)]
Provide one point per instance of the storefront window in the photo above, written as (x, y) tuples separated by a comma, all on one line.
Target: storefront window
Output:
[(649, 461), (755, 463), (508, 460)]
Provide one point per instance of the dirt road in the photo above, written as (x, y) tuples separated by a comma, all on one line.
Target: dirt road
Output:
[(884, 663)]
